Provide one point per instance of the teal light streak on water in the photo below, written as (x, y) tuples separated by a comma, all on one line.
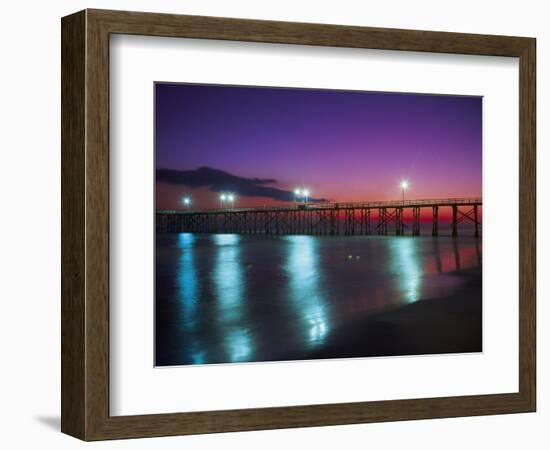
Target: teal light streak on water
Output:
[(228, 280), (305, 290), (405, 264)]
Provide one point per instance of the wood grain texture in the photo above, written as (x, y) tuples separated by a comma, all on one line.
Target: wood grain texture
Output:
[(527, 224), (151, 24), (73, 226), (85, 224)]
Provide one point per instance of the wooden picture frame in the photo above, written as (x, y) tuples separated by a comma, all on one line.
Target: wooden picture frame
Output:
[(85, 224)]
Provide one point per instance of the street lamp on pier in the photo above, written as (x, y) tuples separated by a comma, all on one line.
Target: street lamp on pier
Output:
[(186, 201), (231, 199), (404, 186), (297, 194), (306, 195), (302, 194)]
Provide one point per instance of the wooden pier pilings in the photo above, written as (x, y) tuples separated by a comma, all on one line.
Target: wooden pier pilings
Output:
[(333, 219)]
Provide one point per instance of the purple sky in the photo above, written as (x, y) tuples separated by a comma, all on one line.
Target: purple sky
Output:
[(261, 143)]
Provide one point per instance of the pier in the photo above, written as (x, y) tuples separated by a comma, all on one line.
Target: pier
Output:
[(332, 219)]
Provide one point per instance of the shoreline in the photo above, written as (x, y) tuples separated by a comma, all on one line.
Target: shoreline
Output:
[(450, 324)]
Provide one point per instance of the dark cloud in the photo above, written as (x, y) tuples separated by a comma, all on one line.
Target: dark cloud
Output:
[(220, 181)]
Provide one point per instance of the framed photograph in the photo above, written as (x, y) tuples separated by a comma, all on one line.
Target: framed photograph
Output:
[(268, 224)]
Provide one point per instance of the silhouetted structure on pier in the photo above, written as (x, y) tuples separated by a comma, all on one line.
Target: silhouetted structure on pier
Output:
[(349, 219)]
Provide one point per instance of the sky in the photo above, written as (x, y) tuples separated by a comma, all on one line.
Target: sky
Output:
[(262, 143)]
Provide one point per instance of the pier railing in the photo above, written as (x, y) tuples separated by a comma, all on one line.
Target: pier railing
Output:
[(334, 205)]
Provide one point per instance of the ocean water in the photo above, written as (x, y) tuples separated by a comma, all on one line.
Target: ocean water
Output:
[(229, 298)]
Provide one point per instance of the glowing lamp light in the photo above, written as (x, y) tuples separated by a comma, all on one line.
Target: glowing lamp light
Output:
[(223, 197), (230, 197), (404, 185), (302, 194), (186, 201)]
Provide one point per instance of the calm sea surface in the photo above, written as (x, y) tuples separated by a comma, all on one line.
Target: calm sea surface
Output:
[(227, 298)]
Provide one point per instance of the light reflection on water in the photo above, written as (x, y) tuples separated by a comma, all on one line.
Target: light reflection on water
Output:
[(187, 293), (236, 298), (230, 296), (305, 290), (187, 279), (405, 263)]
